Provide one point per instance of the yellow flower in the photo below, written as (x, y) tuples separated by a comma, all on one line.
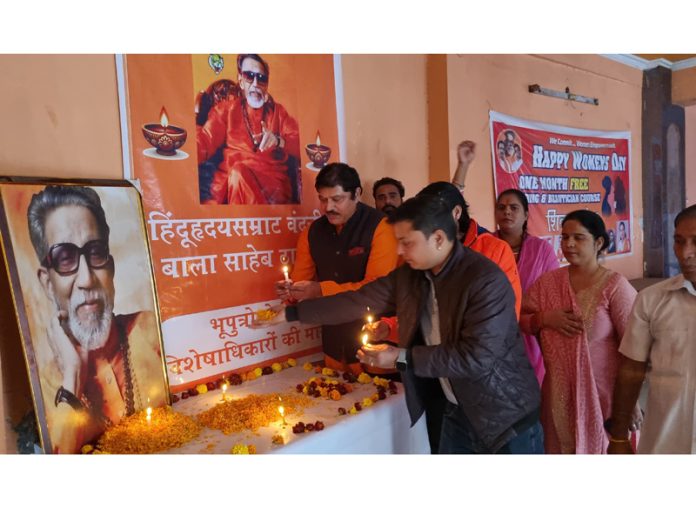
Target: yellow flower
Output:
[(328, 372), (251, 375), (292, 362), (364, 378), (252, 449), (240, 449), (308, 366), (375, 397), (277, 367), (381, 382), (258, 371), (87, 448), (278, 439), (202, 389), (353, 411), (367, 402)]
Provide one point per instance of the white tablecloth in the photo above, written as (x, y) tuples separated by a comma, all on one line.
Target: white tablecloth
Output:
[(383, 427)]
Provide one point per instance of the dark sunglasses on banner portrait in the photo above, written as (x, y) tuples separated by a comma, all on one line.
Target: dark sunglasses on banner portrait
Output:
[(261, 79)]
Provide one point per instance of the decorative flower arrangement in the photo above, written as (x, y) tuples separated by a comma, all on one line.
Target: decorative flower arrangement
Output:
[(137, 434), (251, 412), (383, 386), (326, 388), (242, 449), (301, 427), (233, 379)]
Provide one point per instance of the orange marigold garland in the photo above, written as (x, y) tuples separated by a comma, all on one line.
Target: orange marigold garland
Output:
[(251, 412), (134, 434)]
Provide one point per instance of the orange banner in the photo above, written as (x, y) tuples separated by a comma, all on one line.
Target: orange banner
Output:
[(226, 148)]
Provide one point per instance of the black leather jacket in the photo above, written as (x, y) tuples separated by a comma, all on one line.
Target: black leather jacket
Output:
[(482, 352)]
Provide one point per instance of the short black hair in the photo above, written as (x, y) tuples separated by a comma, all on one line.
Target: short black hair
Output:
[(388, 181), (452, 197), (591, 222), (426, 213), (687, 213), (253, 56), (338, 173)]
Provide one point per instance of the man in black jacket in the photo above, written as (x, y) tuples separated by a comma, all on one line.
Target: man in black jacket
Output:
[(459, 340)]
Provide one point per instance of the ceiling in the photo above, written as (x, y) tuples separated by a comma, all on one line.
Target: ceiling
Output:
[(669, 58)]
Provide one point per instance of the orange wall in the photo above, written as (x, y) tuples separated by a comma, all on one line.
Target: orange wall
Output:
[(59, 118), (64, 116), (386, 119), (690, 157), (479, 83)]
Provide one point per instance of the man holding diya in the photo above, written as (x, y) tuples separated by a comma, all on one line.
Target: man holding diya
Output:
[(350, 245)]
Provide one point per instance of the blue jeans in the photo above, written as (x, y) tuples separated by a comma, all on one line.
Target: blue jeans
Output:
[(457, 437)]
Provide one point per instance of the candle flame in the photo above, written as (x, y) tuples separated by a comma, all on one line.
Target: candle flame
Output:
[(281, 410), (364, 339), (149, 413), (285, 269), (318, 139), (224, 387), (164, 119)]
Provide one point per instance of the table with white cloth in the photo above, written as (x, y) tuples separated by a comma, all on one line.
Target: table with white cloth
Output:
[(384, 427)]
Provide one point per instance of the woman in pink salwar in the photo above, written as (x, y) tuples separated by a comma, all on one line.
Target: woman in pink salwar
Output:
[(579, 312), (534, 256)]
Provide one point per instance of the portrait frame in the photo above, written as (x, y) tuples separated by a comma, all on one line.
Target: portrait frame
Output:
[(132, 346)]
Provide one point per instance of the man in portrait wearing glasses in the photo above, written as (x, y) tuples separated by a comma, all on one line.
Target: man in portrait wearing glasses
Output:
[(260, 140), (108, 366)]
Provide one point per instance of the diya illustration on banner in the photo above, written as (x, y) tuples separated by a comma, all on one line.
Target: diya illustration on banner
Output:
[(85, 302), (166, 139), (318, 154)]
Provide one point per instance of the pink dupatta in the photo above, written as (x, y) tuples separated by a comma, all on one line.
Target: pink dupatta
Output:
[(580, 371)]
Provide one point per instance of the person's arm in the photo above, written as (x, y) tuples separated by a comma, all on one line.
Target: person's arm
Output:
[(211, 135), (383, 259), (466, 152), (289, 133), (626, 391), (620, 304), (347, 306), (505, 259), (304, 268), (483, 339), (634, 354)]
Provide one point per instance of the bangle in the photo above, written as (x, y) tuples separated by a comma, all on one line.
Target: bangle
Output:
[(612, 440)]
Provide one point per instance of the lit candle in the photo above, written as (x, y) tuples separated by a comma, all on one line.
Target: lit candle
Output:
[(285, 273), (281, 410), (148, 411), (369, 317), (365, 341), (224, 391)]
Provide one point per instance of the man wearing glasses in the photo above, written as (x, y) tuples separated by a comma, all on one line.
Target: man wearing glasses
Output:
[(108, 364), (260, 140)]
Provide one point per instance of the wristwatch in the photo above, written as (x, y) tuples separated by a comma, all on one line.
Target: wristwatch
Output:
[(63, 395), (402, 360)]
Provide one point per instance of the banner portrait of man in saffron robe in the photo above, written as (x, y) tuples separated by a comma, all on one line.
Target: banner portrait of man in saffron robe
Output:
[(248, 144)]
